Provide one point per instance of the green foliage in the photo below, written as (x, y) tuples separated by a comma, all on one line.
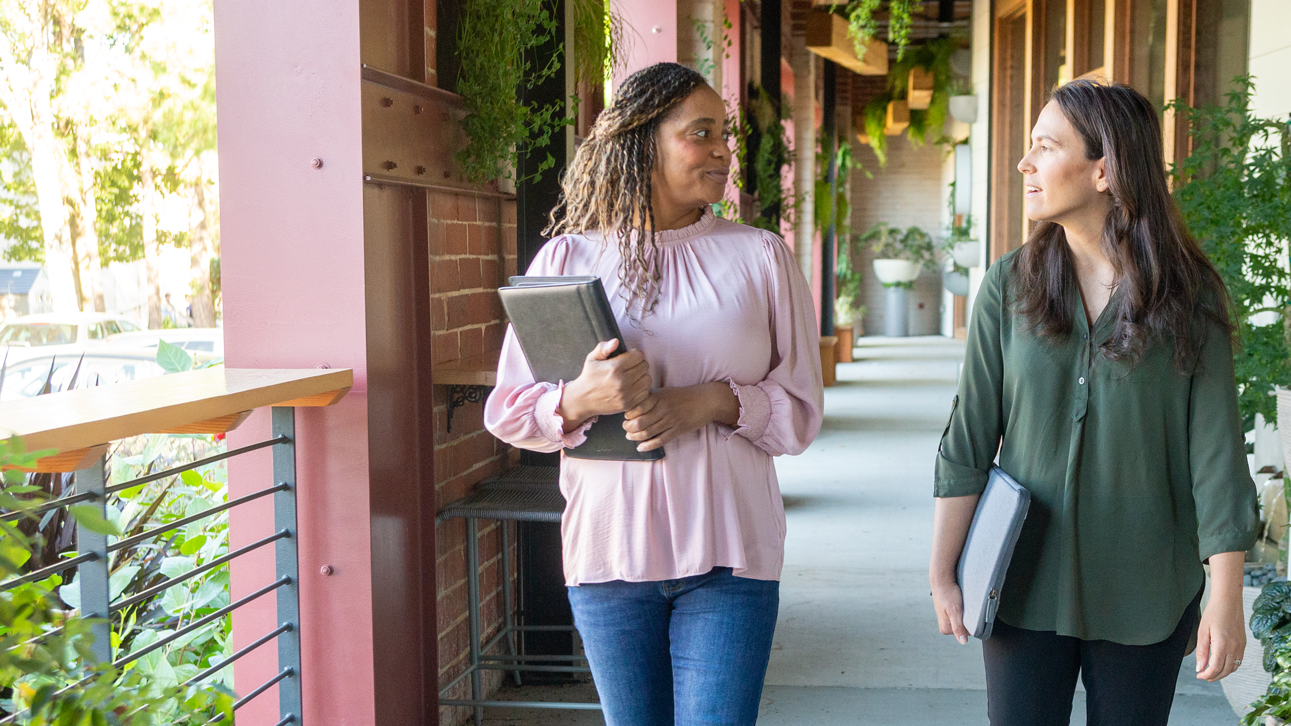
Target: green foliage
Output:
[(1235, 194), (1271, 623), (46, 667), (19, 213), (496, 42), (914, 244), (598, 40), (934, 57), (120, 220), (876, 119), (770, 162), (862, 26), (172, 358)]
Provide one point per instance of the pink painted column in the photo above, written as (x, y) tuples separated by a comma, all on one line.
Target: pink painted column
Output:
[(293, 287), (649, 34)]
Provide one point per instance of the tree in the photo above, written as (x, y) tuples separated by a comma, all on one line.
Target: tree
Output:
[(38, 40)]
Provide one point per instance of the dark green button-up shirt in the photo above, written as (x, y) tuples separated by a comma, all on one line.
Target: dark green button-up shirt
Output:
[(1137, 474)]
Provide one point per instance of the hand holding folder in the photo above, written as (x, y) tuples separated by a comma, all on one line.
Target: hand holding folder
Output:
[(558, 321)]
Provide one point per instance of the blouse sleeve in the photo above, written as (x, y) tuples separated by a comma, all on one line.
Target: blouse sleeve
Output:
[(781, 414), (1227, 506), (520, 411), (972, 436)]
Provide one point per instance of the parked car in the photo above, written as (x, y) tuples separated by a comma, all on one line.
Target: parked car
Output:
[(97, 368), (203, 341), (62, 334)]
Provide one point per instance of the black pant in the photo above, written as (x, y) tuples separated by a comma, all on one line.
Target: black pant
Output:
[(1031, 677)]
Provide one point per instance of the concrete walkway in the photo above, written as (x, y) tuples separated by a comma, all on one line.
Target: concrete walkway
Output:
[(857, 642)]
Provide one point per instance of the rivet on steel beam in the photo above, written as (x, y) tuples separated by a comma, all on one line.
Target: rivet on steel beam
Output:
[(388, 165), (387, 102), (421, 170), (325, 570), (316, 163), (416, 110)]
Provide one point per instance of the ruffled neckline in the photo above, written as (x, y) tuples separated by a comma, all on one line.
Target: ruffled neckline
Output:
[(705, 222)]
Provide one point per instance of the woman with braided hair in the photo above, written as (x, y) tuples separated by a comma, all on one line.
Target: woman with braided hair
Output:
[(673, 565)]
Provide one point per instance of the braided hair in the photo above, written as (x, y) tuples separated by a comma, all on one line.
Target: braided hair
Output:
[(607, 187)]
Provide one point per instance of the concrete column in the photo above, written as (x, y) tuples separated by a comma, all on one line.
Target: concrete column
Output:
[(804, 152), (699, 38)]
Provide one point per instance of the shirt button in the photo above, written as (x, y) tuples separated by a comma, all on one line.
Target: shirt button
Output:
[(1082, 380), (1086, 336)]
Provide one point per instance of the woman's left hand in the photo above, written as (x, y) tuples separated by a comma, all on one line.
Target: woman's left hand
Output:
[(671, 412), (1221, 636)]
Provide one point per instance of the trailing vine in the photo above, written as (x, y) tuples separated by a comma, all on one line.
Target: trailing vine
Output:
[(770, 159), (862, 26), (496, 41), (925, 124)]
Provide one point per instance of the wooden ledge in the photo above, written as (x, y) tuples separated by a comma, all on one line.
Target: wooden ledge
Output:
[(480, 370), (212, 400)]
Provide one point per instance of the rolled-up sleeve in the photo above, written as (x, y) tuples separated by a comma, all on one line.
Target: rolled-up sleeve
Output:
[(523, 412), (1227, 505), (782, 413), (972, 436)]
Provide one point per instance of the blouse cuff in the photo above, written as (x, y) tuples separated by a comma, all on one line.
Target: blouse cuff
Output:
[(1230, 541), (546, 412), (755, 412)]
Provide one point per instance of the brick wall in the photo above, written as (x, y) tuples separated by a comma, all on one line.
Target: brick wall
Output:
[(472, 251), (908, 191)]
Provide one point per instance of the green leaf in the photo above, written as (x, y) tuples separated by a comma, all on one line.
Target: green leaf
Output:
[(90, 517), (192, 478), (172, 358), (191, 546)]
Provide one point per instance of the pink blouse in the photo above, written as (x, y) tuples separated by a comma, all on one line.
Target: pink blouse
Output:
[(733, 306)]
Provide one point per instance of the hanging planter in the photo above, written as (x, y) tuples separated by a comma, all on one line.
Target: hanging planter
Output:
[(896, 272), (964, 108), (898, 118), (919, 88), (967, 253)]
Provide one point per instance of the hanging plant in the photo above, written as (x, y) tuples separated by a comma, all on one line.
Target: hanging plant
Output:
[(770, 160), (934, 57), (876, 121), (496, 42), (862, 26)]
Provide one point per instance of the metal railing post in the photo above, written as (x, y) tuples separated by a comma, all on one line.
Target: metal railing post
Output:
[(473, 614), (93, 575), (286, 553)]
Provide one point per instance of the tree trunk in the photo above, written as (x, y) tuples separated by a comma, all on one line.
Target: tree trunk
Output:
[(87, 242), (46, 168), (151, 252), (200, 256)]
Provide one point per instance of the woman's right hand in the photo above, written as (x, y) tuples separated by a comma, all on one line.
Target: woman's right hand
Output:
[(606, 385), (948, 601)]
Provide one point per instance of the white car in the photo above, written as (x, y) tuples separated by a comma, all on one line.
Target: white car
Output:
[(99, 367), (62, 334), (205, 342)]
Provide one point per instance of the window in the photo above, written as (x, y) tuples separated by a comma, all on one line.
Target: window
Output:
[(96, 331), (35, 335)]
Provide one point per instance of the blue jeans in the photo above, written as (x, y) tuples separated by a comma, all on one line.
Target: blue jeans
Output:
[(684, 652)]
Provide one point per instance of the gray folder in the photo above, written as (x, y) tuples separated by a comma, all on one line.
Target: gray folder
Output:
[(1001, 510), (558, 320)]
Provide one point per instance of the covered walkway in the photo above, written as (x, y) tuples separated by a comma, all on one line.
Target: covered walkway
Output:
[(857, 642)]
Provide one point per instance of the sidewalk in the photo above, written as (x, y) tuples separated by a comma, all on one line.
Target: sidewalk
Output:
[(857, 642)]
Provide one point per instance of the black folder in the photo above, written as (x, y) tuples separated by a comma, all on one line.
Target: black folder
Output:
[(558, 321)]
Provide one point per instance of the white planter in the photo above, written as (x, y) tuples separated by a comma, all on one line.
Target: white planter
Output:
[(896, 272), (1251, 680), (967, 254), (964, 108), (956, 282)]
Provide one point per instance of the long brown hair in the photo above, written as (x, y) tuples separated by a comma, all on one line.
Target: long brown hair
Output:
[(607, 187), (1165, 283)]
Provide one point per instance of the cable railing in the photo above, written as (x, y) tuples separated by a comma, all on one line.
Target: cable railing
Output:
[(75, 425)]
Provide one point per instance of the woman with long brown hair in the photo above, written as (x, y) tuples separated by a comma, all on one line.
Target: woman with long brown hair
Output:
[(1100, 369), (672, 565)]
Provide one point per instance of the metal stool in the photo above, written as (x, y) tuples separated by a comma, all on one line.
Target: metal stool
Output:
[(523, 494)]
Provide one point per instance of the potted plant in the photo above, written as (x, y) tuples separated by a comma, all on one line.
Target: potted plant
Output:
[(963, 104), (901, 256), (1269, 641)]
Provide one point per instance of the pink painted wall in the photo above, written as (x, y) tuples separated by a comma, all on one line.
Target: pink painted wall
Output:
[(645, 46), (292, 255)]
